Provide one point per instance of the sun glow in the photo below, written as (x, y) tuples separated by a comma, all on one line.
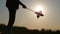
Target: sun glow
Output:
[(38, 8)]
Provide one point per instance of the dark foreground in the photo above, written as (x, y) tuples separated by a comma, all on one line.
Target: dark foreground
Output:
[(23, 30)]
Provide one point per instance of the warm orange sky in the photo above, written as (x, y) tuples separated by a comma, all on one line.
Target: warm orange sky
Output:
[(28, 19)]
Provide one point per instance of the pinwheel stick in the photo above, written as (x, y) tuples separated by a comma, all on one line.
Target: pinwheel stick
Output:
[(30, 10)]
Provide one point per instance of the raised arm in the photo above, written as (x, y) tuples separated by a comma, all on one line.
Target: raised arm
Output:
[(24, 6)]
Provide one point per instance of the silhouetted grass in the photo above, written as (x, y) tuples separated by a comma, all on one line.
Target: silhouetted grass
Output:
[(24, 30)]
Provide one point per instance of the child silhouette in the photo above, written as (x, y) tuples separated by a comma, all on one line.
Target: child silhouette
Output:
[(12, 6)]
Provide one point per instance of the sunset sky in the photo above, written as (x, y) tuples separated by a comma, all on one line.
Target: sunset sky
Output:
[(26, 18)]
